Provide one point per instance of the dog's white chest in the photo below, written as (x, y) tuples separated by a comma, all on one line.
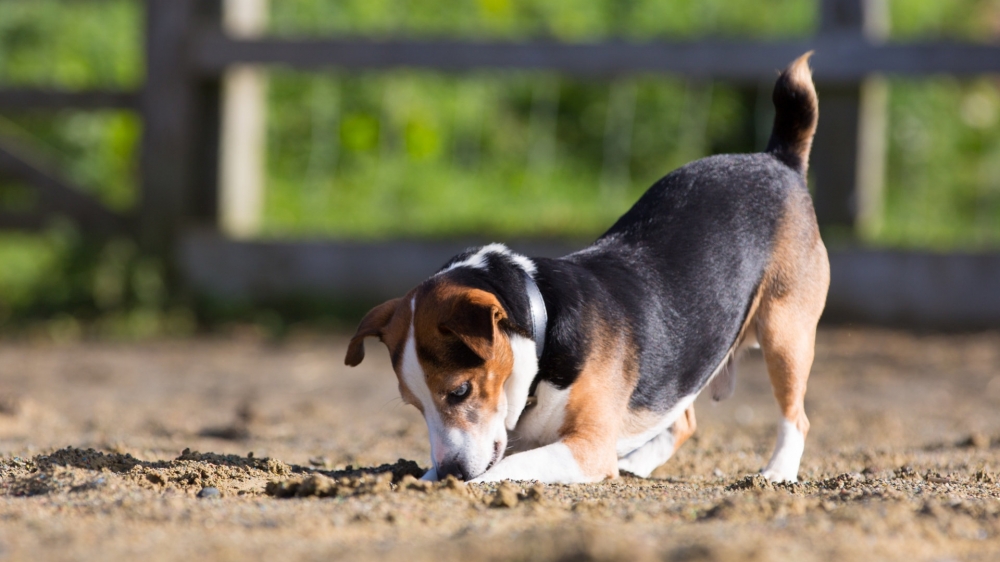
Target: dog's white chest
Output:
[(539, 424)]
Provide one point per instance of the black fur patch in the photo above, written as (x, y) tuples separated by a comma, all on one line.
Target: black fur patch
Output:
[(676, 274)]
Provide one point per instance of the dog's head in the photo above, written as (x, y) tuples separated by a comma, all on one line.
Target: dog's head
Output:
[(452, 357)]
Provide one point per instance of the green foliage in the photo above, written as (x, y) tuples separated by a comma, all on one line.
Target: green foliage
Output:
[(412, 153), (572, 20), (110, 287), (958, 19), (944, 165), (76, 45), (405, 153), (73, 44)]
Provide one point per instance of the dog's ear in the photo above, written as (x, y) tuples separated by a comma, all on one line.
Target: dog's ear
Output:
[(371, 325), (473, 320)]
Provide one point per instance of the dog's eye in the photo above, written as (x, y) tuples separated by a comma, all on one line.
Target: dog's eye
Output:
[(460, 392)]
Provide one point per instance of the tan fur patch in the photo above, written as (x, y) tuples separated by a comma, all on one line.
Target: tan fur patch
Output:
[(372, 325), (793, 294), (390, 322), (459, 340), (684, 428), (597, 406), (800, 75)]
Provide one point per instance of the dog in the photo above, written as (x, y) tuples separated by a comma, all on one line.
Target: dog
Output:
[(574, 369)]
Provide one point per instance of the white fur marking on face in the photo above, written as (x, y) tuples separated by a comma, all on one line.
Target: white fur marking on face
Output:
[(552, 464), (474, 451), (518, 384), (416, 381), (540, 425), (478, 259), (784, 465), (648, 457)]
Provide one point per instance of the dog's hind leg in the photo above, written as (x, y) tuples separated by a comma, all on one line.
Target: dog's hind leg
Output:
[(792, 301), (788, 352), (659, 449)]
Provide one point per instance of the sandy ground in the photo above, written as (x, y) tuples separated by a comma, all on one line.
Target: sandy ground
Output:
[(105, 448)]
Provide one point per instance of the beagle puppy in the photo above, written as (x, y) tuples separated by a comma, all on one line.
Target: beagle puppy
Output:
[(574, 369)]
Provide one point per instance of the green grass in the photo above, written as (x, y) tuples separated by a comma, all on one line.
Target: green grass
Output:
[(498, 154), (419, 154)]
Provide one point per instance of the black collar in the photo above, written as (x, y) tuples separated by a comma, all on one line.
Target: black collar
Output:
[(539, 316)]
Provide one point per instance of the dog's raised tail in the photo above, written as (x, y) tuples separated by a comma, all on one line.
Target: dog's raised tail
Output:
[(796, 113)]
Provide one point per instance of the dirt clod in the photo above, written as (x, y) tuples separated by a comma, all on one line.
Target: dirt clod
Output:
[(751, 482), (976, 441), (505, 496)]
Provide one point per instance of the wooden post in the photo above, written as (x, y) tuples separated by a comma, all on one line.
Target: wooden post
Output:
[(244, 111), (168, 101), (202, 197), (180, 126), (849, 152)]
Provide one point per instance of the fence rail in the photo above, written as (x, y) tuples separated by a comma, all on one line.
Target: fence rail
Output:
[(841, 57), (43, 98), (915, 289)]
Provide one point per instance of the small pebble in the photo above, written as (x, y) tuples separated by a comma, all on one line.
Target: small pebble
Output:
[(209, 492)]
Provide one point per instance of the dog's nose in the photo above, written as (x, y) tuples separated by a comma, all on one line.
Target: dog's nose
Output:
[(452, 468)]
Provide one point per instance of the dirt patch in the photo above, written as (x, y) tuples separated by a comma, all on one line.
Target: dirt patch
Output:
[(901, 463), (76, 470)]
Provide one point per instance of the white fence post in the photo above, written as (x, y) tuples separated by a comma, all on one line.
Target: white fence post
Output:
[(243, 154)]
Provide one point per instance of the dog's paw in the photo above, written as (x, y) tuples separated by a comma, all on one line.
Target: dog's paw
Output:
[(778, 475), (430, 476)]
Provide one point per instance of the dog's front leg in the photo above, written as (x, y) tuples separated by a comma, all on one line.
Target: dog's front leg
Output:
[(551, 464), (586, 453)]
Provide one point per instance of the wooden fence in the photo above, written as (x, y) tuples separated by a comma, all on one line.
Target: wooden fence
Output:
[(178, 216)]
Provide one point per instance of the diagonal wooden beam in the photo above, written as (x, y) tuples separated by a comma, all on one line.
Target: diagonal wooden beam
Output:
[(56, 196), (21, 221), (44, 98)]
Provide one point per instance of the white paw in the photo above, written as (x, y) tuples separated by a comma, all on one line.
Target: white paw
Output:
[(784, 464), (779, 476), (431, 475)]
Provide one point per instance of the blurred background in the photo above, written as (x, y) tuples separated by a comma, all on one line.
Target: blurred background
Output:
[(307, 170)]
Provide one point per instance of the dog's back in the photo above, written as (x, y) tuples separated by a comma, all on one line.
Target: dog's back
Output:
[(693, 252)]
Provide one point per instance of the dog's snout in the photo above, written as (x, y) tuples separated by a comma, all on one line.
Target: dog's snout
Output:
[(452, 468)]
